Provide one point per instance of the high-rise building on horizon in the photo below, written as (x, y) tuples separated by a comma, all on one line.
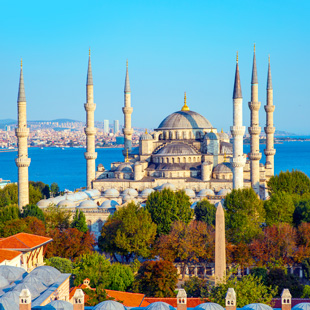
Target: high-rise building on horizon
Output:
[(116, 126), (106, 126)]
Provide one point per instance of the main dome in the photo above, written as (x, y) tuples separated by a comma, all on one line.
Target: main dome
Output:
[(185, 120)]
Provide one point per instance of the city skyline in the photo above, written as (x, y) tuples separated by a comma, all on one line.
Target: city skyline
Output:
[(171, 48)]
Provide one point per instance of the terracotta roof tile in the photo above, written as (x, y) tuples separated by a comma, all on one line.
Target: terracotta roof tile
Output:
[(8, 254), (128, 299)]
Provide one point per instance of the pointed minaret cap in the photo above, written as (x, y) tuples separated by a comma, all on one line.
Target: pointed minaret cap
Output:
[(185, 107), (254, 70), (21, 90), (89, 72), (286, 293), (237, 87), (230, 296), (269, 80), (127, 84)]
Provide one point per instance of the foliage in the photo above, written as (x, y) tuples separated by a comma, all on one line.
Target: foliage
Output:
[(93, 266), (187, 243), (250, 289), (129, 232), (306, 292), (120, 277), (96, 295), (196, 287), (54, 189), (33, 210), (9, 213), (57, 217), (240, 254), (167, 207), (205, 212), (260, 272), (35, 195), (294, 182), (64, 265), (302, 212), (9, 195), (244, 215), (79, 221), (306, 267), (279, 208), (43, 188), (156, 279)]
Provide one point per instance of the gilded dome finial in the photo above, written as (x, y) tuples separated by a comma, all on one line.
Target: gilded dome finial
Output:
[(185, 107), (126, 160), (254, 47), (145, 131), (269, 59), (89, 51), (222, 130), (237, 57), (126, 63), (21, 63)]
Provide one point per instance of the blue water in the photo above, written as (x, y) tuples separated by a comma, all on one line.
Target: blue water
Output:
[(67, 166)]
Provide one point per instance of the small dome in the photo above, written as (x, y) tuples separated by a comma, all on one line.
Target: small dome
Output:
[(24, 286), (61, 305), (44, 203), (190, 193), (206, 192), (92, 193), (159, 305), (302, 306), (146, 192), (87, 204), (128, 198), (211, 136), (168, 186), (35, 281), (3, 282), (223, 135), (71, 197), (224, 192), (12, 273), (109, 204), (223, 168), (209, 306), (146, 136), (177, 148), (66, 203), (110, 305), (111, 193), (8, 304), (130, 192), (48, 274), (12, 295), (124, 167), (258, 306)]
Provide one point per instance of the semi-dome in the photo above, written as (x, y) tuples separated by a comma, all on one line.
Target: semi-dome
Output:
[(146, 192), (223, 168), (111, 193), (44, 203), (209, 306), (66, 203), (61, 305), (168, 186), (87, 204), (130, 192), (12, 273), (48, 274), (3, 282), (146, 136), (177, 148), (110, 305), (258, 306), (206, 192), (185, 120), (109, 204), (159, 305), (189, 192), (124, 167), (224, 192)]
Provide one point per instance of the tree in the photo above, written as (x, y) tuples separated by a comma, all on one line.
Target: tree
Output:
[(260, 272), (79, 221), (196, 287), (294, 182), (54, 189), (9, 195), (129, 232), (156, 279), (302, 212), (167, 207), (240, 254), (120, 277), (205, 212), (64, 265), (93, 266), (279, 208), (35, 195), (244, 215), (44, 188), (57, 217), (306, 267), (95, 296), (9, 213), (187, 244), (33, 210)]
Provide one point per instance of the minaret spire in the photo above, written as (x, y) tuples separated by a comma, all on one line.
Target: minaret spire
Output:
[(237, 131), (127, 84), (22, 132), (269, 80), (254, 130), (90, 130)]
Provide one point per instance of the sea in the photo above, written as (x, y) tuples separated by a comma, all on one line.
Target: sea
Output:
[(67, 166)]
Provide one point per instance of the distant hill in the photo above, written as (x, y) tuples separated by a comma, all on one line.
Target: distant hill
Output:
[(59, 120), (281, 133)]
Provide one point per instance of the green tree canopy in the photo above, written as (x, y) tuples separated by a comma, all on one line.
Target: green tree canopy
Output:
[(9, 195), (244, 215), (291, 182), (44, 188), (79, 221), (33, 210), (54, 189), (57, 217), (196, 287), (35, 195), (64, 265), (205, 212), (279, 208), (120, 277), (302, 212), (167, 207), (9, 213), (129, 232)]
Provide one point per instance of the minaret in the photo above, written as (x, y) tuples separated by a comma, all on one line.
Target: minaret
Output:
[(237, 131), (254, 130), (22, 132), (127, 110), (269, 129), (220, 245), (90, 130)]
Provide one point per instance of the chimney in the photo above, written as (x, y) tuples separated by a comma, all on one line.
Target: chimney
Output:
[(182, 300), (25, 300), (231, 300), (286, 300), (78, 300)]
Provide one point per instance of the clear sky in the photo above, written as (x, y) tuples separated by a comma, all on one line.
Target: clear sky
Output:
[(172, 46)]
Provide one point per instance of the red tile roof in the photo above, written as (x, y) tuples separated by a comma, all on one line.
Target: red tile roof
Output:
[(276, 302), (191, 302), (23, 242), (128, 299), (8, 254)]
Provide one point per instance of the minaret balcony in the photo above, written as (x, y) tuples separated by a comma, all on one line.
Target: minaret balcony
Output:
[(90, 131), (22, 132), (127, 131), (270, 130), (22, 161), (254, 106), (254, 130), (255, 156), (270, 152), (269, 108), (127, 110), (237, 130), (90, 155), (238, 161), (90, 107)]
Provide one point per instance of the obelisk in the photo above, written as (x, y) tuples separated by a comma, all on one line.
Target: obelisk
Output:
[(220, 245)]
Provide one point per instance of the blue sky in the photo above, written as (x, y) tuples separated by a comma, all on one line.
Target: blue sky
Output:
[(172, 46)]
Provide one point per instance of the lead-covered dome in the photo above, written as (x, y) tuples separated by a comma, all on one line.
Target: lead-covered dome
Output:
[(61, 305), (302, 306), (110, 305), (209, 306), (185, 120), (178, 148), (257, 306), (159, 305)]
